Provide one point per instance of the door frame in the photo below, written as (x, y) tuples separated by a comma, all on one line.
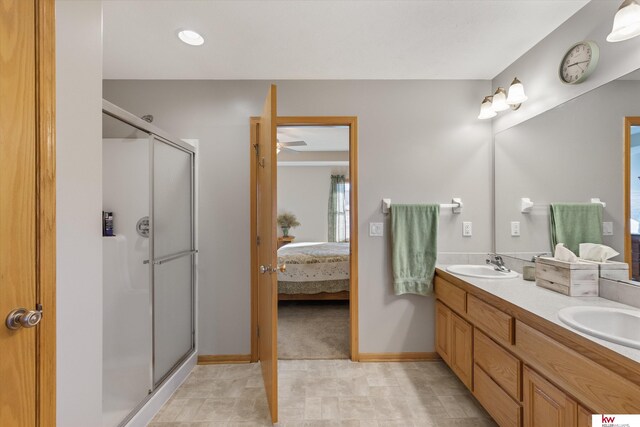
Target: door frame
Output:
[(352, 123), (45, 262), (628, 122)]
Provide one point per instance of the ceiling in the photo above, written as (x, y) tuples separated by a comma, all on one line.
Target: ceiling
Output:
[(324, 39), (318, 138)]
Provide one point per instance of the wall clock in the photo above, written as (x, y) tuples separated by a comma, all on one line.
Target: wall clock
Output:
[(579, 62)]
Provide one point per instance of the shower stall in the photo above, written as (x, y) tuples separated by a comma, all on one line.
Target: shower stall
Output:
[(148, 260)]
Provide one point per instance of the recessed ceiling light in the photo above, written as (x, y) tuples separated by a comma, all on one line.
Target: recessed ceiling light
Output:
[(190, 37)]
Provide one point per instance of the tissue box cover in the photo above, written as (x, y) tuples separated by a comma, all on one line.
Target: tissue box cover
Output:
[(576, 279)]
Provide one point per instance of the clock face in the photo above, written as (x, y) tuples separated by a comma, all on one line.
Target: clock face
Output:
[(579, 62)]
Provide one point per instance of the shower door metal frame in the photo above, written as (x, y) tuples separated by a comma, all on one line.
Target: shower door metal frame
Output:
[(156, 133)]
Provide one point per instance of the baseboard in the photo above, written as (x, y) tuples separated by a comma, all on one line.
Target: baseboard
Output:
[(399, 357), (216, 359)]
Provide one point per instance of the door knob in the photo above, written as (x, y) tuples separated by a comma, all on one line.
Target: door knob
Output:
[(265, 269), (23, 317), (282, 268)]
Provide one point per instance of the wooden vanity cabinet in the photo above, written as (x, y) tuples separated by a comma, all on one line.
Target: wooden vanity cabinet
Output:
[(443, 320), (545, 405), (584, 417), (518, 372), (454, 342), (461, 333)]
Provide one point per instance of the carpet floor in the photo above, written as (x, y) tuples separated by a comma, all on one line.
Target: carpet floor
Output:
[(313, 330)]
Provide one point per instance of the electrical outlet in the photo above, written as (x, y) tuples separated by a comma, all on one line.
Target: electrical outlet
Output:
[(515, 228), (466, 228), (376, 229), (607, 229)]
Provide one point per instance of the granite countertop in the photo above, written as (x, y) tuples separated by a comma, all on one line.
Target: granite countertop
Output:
[(546, 304)]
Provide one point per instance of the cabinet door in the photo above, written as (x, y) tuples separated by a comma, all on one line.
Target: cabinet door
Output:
[(461, 345), (584, 417), (443, 319), (545, 405)]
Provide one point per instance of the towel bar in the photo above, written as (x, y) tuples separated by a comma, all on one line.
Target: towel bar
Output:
[(455, 205)]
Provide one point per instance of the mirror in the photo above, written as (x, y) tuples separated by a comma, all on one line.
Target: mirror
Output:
[(569, 154)]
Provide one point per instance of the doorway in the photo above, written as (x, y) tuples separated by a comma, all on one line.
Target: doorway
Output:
[(632, 196), (313, 218), (350, 164)]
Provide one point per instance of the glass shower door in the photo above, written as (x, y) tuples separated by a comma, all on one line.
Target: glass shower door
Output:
[(173, 256)]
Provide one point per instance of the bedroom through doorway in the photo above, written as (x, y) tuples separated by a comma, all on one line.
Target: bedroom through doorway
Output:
[(313, 216), (316, 210)]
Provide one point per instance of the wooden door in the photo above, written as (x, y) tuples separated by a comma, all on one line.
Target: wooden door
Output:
[(461, 349), (545, 405), (27, 213), (443, 319), (584, 417), (267, 251)]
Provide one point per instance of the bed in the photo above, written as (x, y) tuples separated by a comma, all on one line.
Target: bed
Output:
[(315, 271)]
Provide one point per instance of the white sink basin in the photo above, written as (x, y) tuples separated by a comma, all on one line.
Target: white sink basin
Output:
[(480, 271), (617, 325)]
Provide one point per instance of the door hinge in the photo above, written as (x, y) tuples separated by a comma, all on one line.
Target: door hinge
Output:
[(257, 240), (256, 147), (261, 162)]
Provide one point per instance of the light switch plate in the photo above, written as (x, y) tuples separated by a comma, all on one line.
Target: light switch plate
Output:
[(466, 228), (515, 228), (376, 229), (607, 229)]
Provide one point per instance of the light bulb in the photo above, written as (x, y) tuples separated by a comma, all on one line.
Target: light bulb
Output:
[(499, 102), (190, 37), (626, 22), (486, 112), (516, 93)]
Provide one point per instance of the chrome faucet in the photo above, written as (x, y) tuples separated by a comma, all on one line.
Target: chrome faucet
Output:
[(497, 263)]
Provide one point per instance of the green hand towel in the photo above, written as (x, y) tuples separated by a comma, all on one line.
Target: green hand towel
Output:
[(414, 235), (575, 223)]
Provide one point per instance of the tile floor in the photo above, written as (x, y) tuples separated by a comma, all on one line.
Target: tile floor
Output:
[(325, 393)]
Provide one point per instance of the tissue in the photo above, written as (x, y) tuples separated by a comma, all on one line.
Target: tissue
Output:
[(596, 252), (561, 253)]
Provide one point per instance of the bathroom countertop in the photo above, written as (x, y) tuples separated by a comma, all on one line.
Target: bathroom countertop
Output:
[(545, 304)]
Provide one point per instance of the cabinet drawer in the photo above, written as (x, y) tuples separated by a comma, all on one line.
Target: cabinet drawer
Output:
[(451, 295), (490, 320), (500, 365), (592, 384), (504, 410)]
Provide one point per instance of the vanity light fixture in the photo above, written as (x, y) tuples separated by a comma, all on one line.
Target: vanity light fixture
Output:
[(486, 110), (190, 37), (516, 94), (626, 22), (500, 101)]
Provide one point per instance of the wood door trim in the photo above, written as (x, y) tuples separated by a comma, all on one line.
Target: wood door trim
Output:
[(46, 211), (628, 122), (352, 122), (400, 357), (215, 359)]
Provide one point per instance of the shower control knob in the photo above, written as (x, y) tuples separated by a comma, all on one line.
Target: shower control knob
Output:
[(23, 317)]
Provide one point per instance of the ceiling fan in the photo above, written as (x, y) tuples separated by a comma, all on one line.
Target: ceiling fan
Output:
[(283, 146)]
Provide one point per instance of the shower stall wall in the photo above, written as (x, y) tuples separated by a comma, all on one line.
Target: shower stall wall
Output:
[(149, 262)]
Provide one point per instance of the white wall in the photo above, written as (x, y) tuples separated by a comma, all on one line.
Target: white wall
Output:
[(79, 203), (538, 68), (419, 141), (304, 191)]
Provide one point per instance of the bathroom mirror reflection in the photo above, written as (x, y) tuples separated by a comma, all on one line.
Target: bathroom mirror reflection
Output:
[(570, 154)]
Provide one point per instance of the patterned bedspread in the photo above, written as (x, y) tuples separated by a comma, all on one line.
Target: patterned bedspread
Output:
[(314, 268)]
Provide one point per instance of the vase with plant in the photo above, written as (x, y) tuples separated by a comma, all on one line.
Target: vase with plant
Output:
[(287, 220)]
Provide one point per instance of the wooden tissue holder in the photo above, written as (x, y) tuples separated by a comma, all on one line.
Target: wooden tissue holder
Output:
[(576, 279), (613, 270)]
